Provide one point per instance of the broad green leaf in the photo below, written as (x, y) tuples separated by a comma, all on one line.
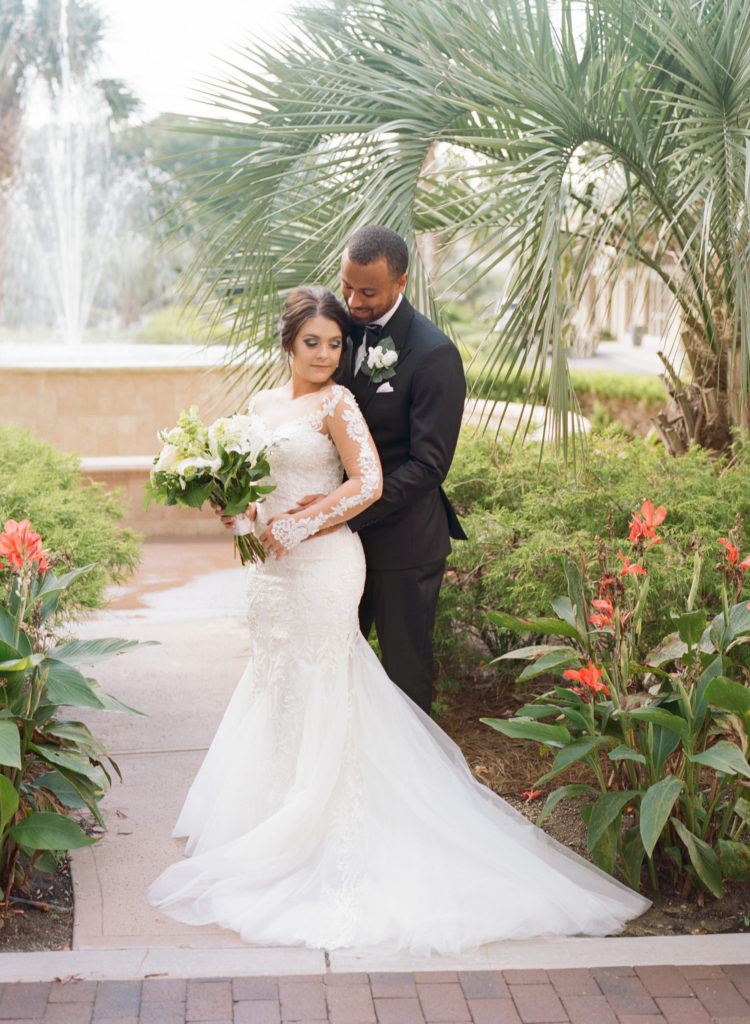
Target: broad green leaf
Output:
[(59, 785), (73, 790), (552, 662), (56, 584), (110, 703), (663, 743), (533, 651), (742, 809), (730, 696), (656, 806), (724, 757), (45, 830), (540, 711), (66, 686), (8, 653), (739, 618), (539, 732), (551, 627), (710, 671), (72, 761), (23, 665), (734, 859), (670, 649), (563, 607), (632, 853), (7, 627), (658, 716), (605, 851), (575, 591), (623, 753), (690, 626), (702, 857), (605, 812), (563, 793), (8, 802), (10, 744), (91, 652), (578, 750)]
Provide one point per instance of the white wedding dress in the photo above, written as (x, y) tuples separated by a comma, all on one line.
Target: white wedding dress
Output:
[(330, 811)]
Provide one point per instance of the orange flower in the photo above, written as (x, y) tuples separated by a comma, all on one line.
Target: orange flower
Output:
[(606, 613), (628, 568), (733, 554), (20, 545), (588, 677), (643, 526)]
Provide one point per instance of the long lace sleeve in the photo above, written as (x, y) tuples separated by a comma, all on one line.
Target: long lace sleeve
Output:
[(364, 482)]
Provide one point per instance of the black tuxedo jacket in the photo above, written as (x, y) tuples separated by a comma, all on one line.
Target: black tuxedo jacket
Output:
[(415, 428)]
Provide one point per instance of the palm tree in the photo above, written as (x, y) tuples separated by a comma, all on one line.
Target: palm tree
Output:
[(552, 139)]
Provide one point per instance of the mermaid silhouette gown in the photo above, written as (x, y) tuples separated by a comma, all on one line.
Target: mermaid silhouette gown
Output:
[(330, 811)]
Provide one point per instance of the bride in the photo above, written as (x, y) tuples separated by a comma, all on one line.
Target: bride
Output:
[(330, 810)]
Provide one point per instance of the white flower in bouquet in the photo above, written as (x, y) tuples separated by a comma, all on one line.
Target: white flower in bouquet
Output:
[(195, 465), (167, 458), (224, 463)]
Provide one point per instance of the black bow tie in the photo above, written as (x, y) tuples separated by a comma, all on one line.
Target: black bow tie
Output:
[(371, 334)]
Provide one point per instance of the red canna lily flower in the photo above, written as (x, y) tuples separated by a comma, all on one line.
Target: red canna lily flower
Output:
[(606, 613), (643, 526), (588, 677), (531, 794), (733, 553), (20, 545), (628, 568)]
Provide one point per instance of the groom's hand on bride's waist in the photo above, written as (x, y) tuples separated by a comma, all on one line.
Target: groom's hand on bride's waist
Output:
[(310, 499)]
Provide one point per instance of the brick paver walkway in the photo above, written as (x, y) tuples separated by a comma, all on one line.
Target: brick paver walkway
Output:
[(612, 995)]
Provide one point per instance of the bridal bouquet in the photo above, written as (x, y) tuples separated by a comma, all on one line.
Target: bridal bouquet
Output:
[(223, 463)]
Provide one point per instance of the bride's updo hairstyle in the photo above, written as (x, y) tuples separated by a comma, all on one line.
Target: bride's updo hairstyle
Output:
[(303, 304)]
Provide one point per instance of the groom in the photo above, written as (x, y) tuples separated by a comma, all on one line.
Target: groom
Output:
[(414, 415)]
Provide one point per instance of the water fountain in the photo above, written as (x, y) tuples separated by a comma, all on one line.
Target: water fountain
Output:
[(67, 207), (68, 370)]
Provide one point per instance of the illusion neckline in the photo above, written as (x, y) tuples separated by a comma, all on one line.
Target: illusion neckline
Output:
[(303, 417)]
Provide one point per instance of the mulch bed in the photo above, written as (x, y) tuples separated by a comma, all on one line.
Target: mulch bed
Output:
[(510, 768), (42, 918)]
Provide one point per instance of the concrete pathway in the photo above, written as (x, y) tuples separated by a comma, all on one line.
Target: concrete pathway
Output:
[(131, 965)]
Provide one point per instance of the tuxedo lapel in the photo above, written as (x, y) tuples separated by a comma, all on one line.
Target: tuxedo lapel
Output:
[(397, 329)]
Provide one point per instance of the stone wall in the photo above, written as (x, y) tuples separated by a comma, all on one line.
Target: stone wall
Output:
[(110, 413)]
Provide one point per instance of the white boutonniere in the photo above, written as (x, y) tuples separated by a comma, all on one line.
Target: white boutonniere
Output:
[(380, 361)]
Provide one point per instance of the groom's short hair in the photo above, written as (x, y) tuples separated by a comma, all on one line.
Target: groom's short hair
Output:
[(374, 241)]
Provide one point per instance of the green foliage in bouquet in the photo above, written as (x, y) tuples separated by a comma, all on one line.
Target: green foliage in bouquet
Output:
[(82, 524), (665, 732), (49, 765), (222, 463)]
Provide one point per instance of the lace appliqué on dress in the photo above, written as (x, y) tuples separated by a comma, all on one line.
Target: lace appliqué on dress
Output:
[(364, 470)]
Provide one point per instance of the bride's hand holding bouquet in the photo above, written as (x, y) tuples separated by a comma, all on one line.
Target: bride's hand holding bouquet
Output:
[(224, 464)]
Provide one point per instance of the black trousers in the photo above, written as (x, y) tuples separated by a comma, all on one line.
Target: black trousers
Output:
[(402, 604)]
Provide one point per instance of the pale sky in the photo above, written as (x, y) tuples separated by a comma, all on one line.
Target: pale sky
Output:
[(160, 47)]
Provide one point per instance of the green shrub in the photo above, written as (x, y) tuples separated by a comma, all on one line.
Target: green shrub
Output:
[(41, 484), (601, 384), (523, 518)]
